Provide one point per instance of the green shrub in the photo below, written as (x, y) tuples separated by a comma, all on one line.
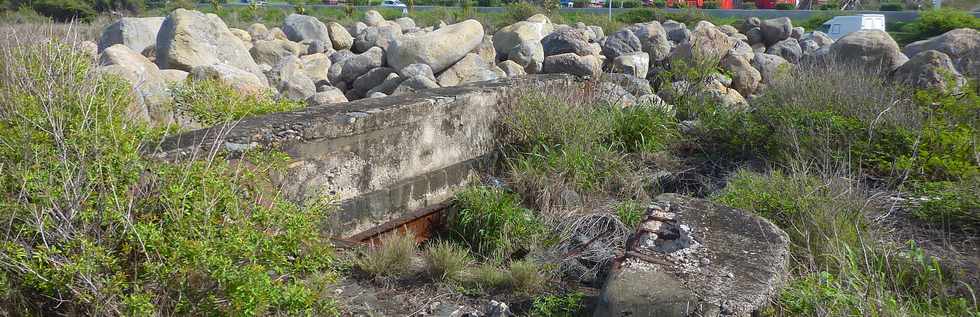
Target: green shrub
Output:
[(105, 231), (954, 204), (891, 7), (65, 10), (711, 5), (841, 264), (520, 11), (391, 257), (785, 6), (489, 3), (935, 22), (567, 305), (643, 128), (630, 212), (527, 276), (210, 102), (631, 4), (830, 6), (23, 15), (491, 221), (581, 3), (638, 16), (660, 4), (488, 276), (446, 261), (748, 6)]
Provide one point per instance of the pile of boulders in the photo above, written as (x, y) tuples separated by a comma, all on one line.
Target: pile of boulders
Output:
[(325, 63)]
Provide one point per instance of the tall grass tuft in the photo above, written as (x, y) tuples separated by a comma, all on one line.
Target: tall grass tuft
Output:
[(390, 258)]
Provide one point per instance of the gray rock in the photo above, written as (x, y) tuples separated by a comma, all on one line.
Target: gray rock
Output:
[(754, 36), (770, 66), (405, 23), (511, 68), (272, 51), (653, 40), (706, 44), (509, 36), (797, 32), (316, 47), (621, 42), (635, 64), (338, 56), (152, 93), (486, 50), (438, 49), (371, 79), (811, 42), (775, 30), (529, 54), (788, 49), (135, 33), (239, 33), (676, 31), (377, 36), (961, 45), (413, 70), (388, 86), (377, 95), (742, 49), (358, 65), (316, 67), (173, 76), (290, 79), (745, 78), (258, 31), (330, 95), (189, 38), (299, 28), (930, 69), (242, 81), (470, 69), (339, 37), (748, 263), (373, 18), (634, 85), (414, 84), (573, 64), (277, 34), (357, 28), (869, 48), (566, 40)]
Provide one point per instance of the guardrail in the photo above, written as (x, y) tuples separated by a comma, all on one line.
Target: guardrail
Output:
[(890, 16)]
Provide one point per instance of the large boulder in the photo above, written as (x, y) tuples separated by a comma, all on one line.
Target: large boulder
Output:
[(574, 64), (329, 95), (706, 43), (788, 49), (770, 66), (636, 86), (566, 40), (775, 30), (529, 54), (486, 50), (813, 41), (258, 31), (929, 69), (509, 36), (135, 33), (745, 78), (869, 48), (754, 36), (299, 28), (188, 39), (373, 18), (693, 257), (272, 51), (149, 85), (413, 84), (316, 67), (653, 40), (438, 49), (417, 70), (512, 69), (621, 42), (962, 46), (470, 69), (386, 86), (339, 37), (371, 79), (676, 31)]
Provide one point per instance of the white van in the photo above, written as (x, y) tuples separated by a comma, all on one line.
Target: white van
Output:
[(843, 25)]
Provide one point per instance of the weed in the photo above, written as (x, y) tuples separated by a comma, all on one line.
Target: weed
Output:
[(630, 212), (566, 305), (390, 258), (488, 276), (446, 261), (492, 222), (209, 102), (527, 276)]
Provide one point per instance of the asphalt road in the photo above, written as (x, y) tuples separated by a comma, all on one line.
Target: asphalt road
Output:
[(890, 16)]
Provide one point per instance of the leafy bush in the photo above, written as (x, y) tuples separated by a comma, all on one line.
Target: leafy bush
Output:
[(567, 305), (935, 22), (891, 7), (520, 11), (210, 102), (630, 4), (954, 204), (446, 261), (785, 6), (104, 231), (660, 4), (841, 264), (491, 221), (711, 5), (638, 16), (391, 257), (65, 10)]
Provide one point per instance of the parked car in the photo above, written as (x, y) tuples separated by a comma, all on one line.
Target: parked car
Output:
[(393, 4), (840, 26)]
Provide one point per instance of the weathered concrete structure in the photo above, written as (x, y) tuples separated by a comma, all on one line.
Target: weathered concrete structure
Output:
[(382, 157)]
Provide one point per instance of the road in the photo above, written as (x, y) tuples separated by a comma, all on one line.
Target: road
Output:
[(890, 16)]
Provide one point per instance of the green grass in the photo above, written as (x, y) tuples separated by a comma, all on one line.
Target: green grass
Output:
[(491, 222), (564, 305), (209, 102), (390, 258), (90, 221), (446, 261), (630, 212)]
